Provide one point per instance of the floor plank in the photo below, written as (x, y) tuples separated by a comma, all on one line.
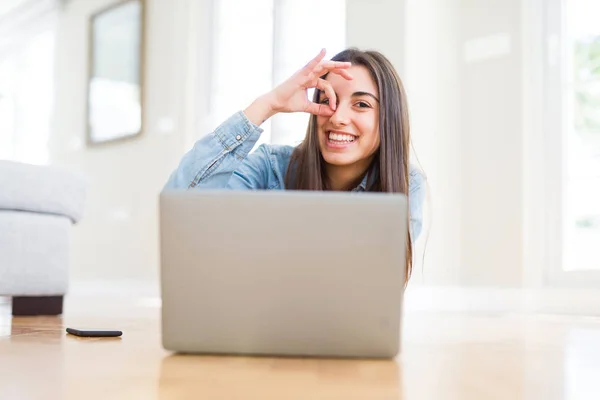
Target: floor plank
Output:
[(446, 355)]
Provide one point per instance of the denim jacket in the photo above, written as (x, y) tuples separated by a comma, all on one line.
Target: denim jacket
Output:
[(222, 160)]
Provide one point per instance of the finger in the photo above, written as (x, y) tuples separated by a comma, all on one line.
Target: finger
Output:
[(329, 92), (343, 73), (315, 61), (319, 109), (321, 70), (325, 66), (336, 64)]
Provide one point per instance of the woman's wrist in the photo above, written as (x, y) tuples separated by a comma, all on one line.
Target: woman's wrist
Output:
[(260, 110)]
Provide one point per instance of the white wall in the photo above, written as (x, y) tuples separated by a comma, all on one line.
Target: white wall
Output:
[(433, 83), (118, 236), (466, 75), (378, 25), (492, 142)]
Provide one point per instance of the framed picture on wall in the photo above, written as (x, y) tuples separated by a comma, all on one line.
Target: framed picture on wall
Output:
[(115, 87)]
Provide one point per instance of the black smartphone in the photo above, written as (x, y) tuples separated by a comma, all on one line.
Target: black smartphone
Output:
[(93, 332)]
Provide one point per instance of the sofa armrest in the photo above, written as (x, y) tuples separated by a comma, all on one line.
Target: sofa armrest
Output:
[(42, 189)]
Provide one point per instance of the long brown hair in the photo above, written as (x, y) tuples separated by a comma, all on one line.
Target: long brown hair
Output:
[(390, 166)]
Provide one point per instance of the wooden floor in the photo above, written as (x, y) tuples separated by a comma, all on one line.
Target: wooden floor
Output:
[(450, 354)]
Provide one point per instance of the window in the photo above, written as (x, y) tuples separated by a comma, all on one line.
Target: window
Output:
[(7, 113), (302, 29), (582, 136), (242, 67), (261, 44), (572, 113), (26, 80)]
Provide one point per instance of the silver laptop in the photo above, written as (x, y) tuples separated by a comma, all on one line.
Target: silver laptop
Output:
[(282, 273)]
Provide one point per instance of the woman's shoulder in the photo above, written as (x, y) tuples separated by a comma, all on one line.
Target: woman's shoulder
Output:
[(278, 151), (276, 156)]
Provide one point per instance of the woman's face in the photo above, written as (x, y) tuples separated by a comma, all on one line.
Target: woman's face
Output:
[(350, 137)]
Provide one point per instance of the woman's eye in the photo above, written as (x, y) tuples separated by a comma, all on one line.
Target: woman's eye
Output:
[(325, 101), (362, 104)]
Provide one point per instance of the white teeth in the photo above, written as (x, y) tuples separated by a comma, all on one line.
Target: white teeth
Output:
[(341, 137)]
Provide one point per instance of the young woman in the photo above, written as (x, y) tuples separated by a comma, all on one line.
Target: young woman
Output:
[(358, 137)]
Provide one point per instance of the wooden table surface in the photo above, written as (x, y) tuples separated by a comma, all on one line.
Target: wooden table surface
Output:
[(445, 355)]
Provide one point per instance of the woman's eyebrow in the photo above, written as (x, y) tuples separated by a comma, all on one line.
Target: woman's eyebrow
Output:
[(356, 94)]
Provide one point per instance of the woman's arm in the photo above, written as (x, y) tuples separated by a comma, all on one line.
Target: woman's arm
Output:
[(214, 158), (212, 161)]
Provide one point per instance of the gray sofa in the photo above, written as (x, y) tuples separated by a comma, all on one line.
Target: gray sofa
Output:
[(38, 206)]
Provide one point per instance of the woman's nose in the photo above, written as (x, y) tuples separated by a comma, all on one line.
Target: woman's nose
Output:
[(340, 116)]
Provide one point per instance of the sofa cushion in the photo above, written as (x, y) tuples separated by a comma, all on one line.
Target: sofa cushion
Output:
[(41, 189)]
